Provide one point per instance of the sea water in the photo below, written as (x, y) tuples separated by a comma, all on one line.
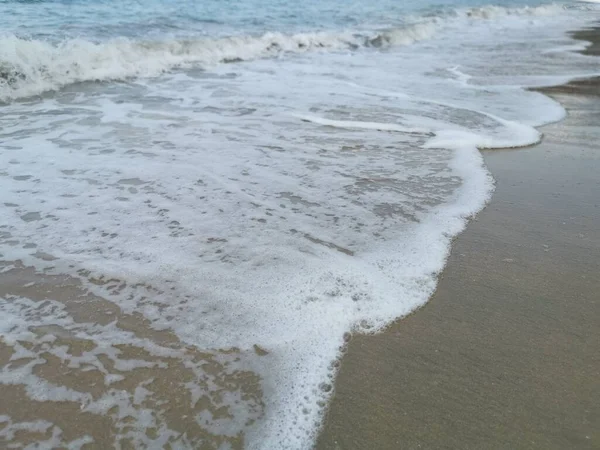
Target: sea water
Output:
[(257, 179)]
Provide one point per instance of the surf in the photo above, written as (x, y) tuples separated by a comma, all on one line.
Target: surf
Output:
[(30, 66)]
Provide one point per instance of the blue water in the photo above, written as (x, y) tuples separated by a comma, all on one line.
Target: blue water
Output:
[(242, 184), (46, 45), (101, 20)]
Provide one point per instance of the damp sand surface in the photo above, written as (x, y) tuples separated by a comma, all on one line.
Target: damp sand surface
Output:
[(97, 377), (83, 370), (505, 354)]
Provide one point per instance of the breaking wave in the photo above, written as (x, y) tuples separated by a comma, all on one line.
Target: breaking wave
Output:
[(30, 66)]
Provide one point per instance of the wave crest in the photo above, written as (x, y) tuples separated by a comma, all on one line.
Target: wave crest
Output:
[(29, 67)]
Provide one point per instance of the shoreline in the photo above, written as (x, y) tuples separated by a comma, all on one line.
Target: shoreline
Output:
[(84, 371), (503, 355)]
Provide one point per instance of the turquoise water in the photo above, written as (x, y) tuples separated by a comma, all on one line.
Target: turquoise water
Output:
[(48, 45), (239, 176), (100, 20)]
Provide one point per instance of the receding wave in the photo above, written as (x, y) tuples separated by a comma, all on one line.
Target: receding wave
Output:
[(29, 66)]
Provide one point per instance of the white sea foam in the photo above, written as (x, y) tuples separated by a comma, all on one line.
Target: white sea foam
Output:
[(10, 429), (493, 11), (282, 204), (36, 325), (30, 66), (364, 125)]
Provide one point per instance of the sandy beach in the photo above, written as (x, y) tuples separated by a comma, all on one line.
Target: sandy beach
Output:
[(505, 354), (189, 237)]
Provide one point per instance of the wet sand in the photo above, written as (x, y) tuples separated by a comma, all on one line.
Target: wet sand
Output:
[(506, 353), (110, 376), (504, 356)]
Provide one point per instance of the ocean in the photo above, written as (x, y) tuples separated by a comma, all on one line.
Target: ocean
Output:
[(201, 202)]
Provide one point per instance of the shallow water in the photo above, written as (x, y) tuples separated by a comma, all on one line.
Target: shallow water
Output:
[(207, 200)]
